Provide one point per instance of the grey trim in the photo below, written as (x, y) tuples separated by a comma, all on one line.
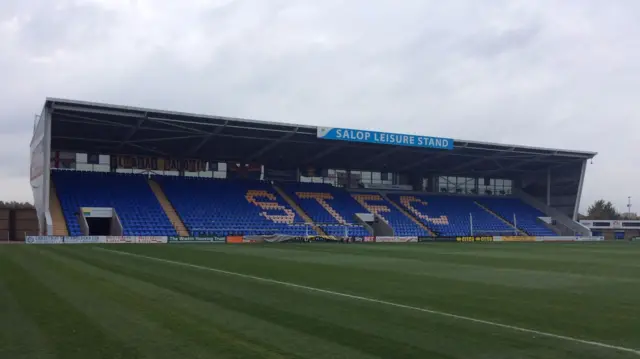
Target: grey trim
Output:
[(554, 213), (46, 179), (138, 112), (526, 149), (71, 103), (270, 146), (324, 153), (424, 160), (193, 150), (480, 160), (579, 194), (371, 159)]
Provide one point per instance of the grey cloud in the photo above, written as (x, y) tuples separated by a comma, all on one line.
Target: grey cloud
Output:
[(506, 41), (546, 73), (14, 157), (63, 27)]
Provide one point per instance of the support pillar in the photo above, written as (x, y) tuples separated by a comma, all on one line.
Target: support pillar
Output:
[(549, 187)]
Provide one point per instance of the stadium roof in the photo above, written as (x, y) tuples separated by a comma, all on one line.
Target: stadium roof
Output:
[(100, 128)]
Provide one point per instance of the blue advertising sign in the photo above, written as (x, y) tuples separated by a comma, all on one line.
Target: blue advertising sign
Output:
[(384, 138)]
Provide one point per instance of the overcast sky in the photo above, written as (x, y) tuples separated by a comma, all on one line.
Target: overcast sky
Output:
[(545, 73)]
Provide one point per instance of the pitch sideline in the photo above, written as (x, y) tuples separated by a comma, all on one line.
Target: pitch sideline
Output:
[(379, 301)]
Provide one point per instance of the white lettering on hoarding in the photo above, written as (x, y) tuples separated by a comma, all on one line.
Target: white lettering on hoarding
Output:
[(94, 239), (136, 239), (383, 138), (390, 138), (43, 240), (88, 239)]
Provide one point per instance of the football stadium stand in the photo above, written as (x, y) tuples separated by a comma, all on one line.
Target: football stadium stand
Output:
[(129, 194), (221, 207), (224, 207), (288, 179)]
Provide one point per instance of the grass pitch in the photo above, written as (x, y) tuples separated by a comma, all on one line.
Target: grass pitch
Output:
[(321, 301)]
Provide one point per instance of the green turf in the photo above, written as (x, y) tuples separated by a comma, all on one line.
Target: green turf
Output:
[(79, 301)]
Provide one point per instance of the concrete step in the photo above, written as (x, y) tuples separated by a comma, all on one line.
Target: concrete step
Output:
[(298, 210), (409, 215), (520, 232), (168, 208), (59, 224)]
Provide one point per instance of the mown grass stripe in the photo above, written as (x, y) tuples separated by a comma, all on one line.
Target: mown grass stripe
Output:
[(383, 302), (20, 337), (70, 333), (135, 319), (373, 341), (598, 310)]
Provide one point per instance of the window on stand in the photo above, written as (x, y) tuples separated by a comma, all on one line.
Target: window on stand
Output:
[(473, 186)]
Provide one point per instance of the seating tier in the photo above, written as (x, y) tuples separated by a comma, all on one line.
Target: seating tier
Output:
[(402, 225), (129, 194), (526, 217), (221, 207), (452, 215), (326, 204), (332, 208)]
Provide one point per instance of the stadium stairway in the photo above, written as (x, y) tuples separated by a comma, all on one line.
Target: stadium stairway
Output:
[(402, 224), (526, 217), (323, 197), (129, 194), (376, 209), (221, 207), (59, 224), (520, 231), (410, 211), (331, 208), (451, 216), (409, 215), (168, 208), (565, 225), (298, 210)]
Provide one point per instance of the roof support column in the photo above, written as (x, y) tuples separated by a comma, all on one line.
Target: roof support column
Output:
[(434, 182), (579, 194), (548, 187)]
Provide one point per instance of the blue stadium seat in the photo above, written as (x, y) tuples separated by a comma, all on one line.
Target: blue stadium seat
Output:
[(335, 207), (526, 217), (330, 207), (135, 203), (222, 207), (402, 225), (452, 215)]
